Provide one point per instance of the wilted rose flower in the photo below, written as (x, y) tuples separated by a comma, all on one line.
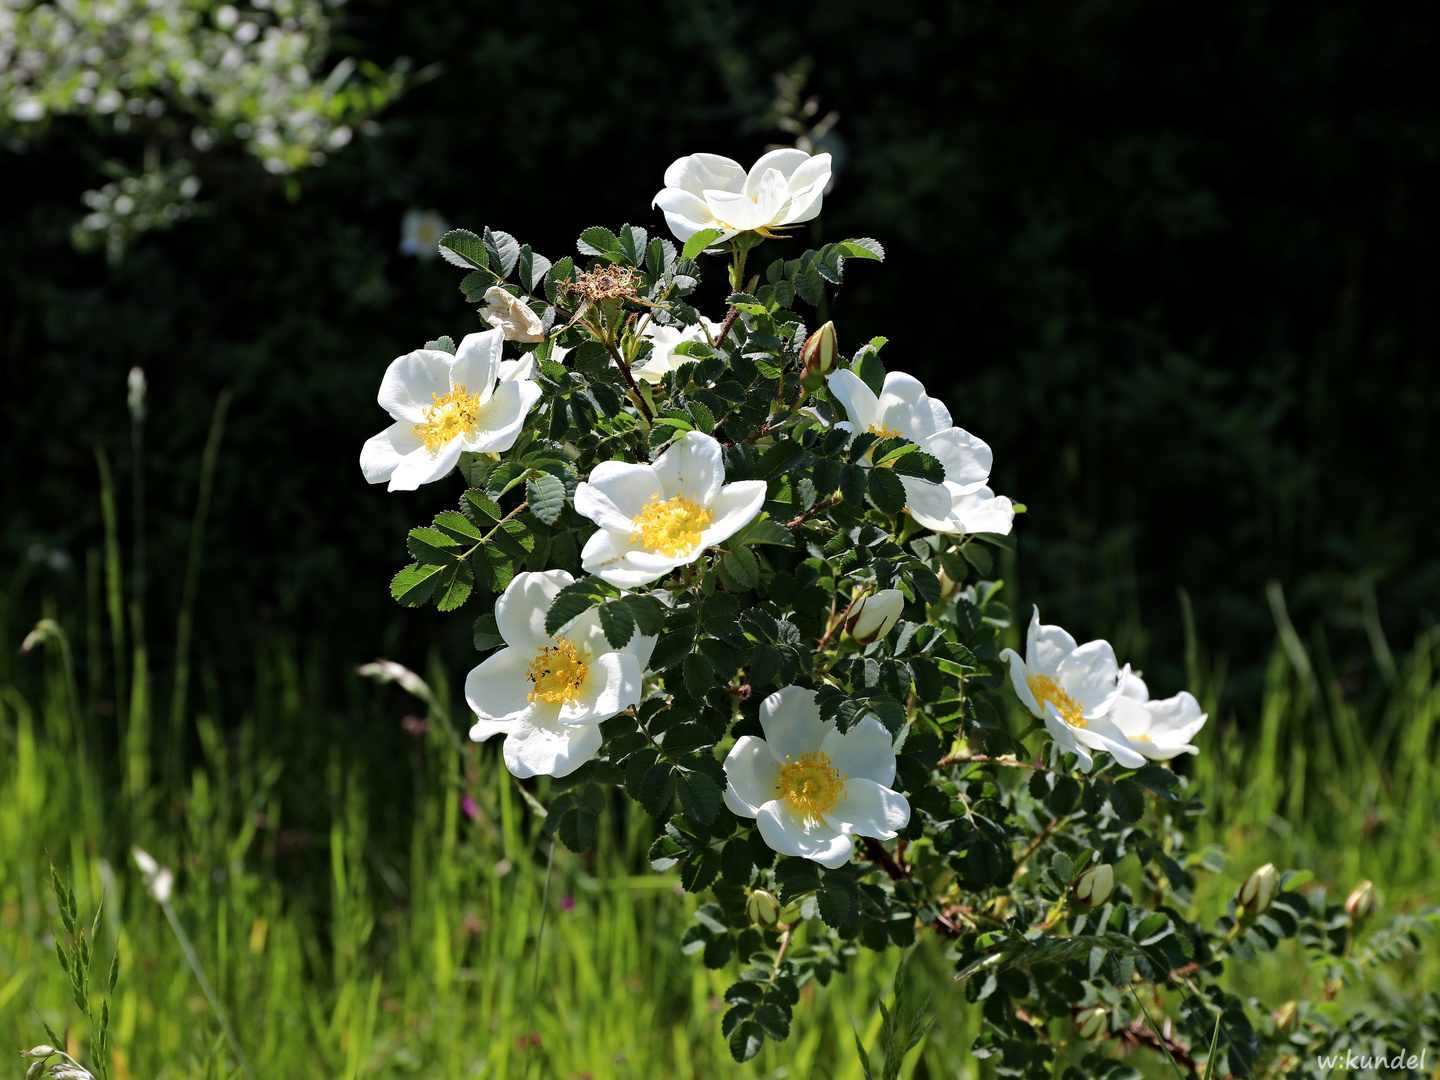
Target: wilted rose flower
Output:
[(511, 315)]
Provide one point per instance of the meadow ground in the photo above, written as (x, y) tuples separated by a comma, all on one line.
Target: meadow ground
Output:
[(395, 918)]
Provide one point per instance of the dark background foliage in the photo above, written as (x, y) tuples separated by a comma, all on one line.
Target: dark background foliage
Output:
[(1173, 262)]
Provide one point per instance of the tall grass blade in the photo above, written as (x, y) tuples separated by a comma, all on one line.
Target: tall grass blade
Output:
[(185, 624)]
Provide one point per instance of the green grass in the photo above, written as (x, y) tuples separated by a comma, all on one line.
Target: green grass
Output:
[(356, 921)]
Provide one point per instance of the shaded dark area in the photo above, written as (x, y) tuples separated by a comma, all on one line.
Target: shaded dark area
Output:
[(1174, 264)]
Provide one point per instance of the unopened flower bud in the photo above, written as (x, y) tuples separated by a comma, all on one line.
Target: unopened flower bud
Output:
[(35, 1069), (1285, 1016), (762, 908), (44, 1050), (1258, 892), (1091, 1023), (949, 589), (875, 615), (817, 355), (135, 393), (1360, 904), (1094, 886)]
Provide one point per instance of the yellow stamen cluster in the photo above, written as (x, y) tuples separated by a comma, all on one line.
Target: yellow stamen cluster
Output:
[(558, 673), (885, 432), (1045, 689), (448, 416), (673, 526), (812, 786)]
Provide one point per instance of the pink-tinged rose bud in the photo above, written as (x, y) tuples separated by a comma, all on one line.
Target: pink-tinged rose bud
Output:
[(1360, 904), (818, 354), (1094, 886), (762, 908), (874, 616), (1258, 892), (1091, 1023)]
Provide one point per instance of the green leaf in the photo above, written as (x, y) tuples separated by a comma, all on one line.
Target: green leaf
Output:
[(503, 249), (461, 247), (481, 507), (920, 465), (545, 495), (600, 241), (795, 877), (648, 613), (442, 344), (632, 245), (885, 492), (700, 870), (414, 585), (695, 245), (698, 674), (454, 586), (773, 1020), (862, 248), (557, 276), (573, 601), (432, 546), (700, 796), (740, 570), (979, 558), (745, 1040), (457, 526), (487, 633), (533, 269), (617, 622), (1047, 950)]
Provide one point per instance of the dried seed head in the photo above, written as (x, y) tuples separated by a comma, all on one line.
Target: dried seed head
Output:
[(605, 283)]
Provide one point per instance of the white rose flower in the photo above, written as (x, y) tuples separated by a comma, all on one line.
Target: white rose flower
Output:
[(663, 339), (548, 695), (443, 405), (705, 191), (512, 315), (524, 367), (875, 615), (1073, 689), (654, 518), (1160, 730), (811, 789), (975, 511), (420, 233), (903, 408)]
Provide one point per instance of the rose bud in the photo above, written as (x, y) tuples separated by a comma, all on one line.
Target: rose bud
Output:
[(1091, 1023), (762, 908), (1284, 1017), (1258, 892), (1094, 886), (875, 615), (817, 355), (1360, 904)]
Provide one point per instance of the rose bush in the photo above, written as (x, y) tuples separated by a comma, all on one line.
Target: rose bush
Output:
[(748, 582)]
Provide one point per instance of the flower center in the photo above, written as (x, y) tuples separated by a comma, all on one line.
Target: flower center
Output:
[(885, 432), (1045, 689), (448, 416), (558, 672), (673, 526), (812, 786)]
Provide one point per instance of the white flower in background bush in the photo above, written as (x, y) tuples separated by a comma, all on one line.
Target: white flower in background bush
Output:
[(442, 405), (810, 788), (511, 315), (706, 191), (420, 233), (902, 408), (654, 518), (548, 695), (663, 339), (1072, 688), (159, 881), (1162, 729), (875, 615)]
